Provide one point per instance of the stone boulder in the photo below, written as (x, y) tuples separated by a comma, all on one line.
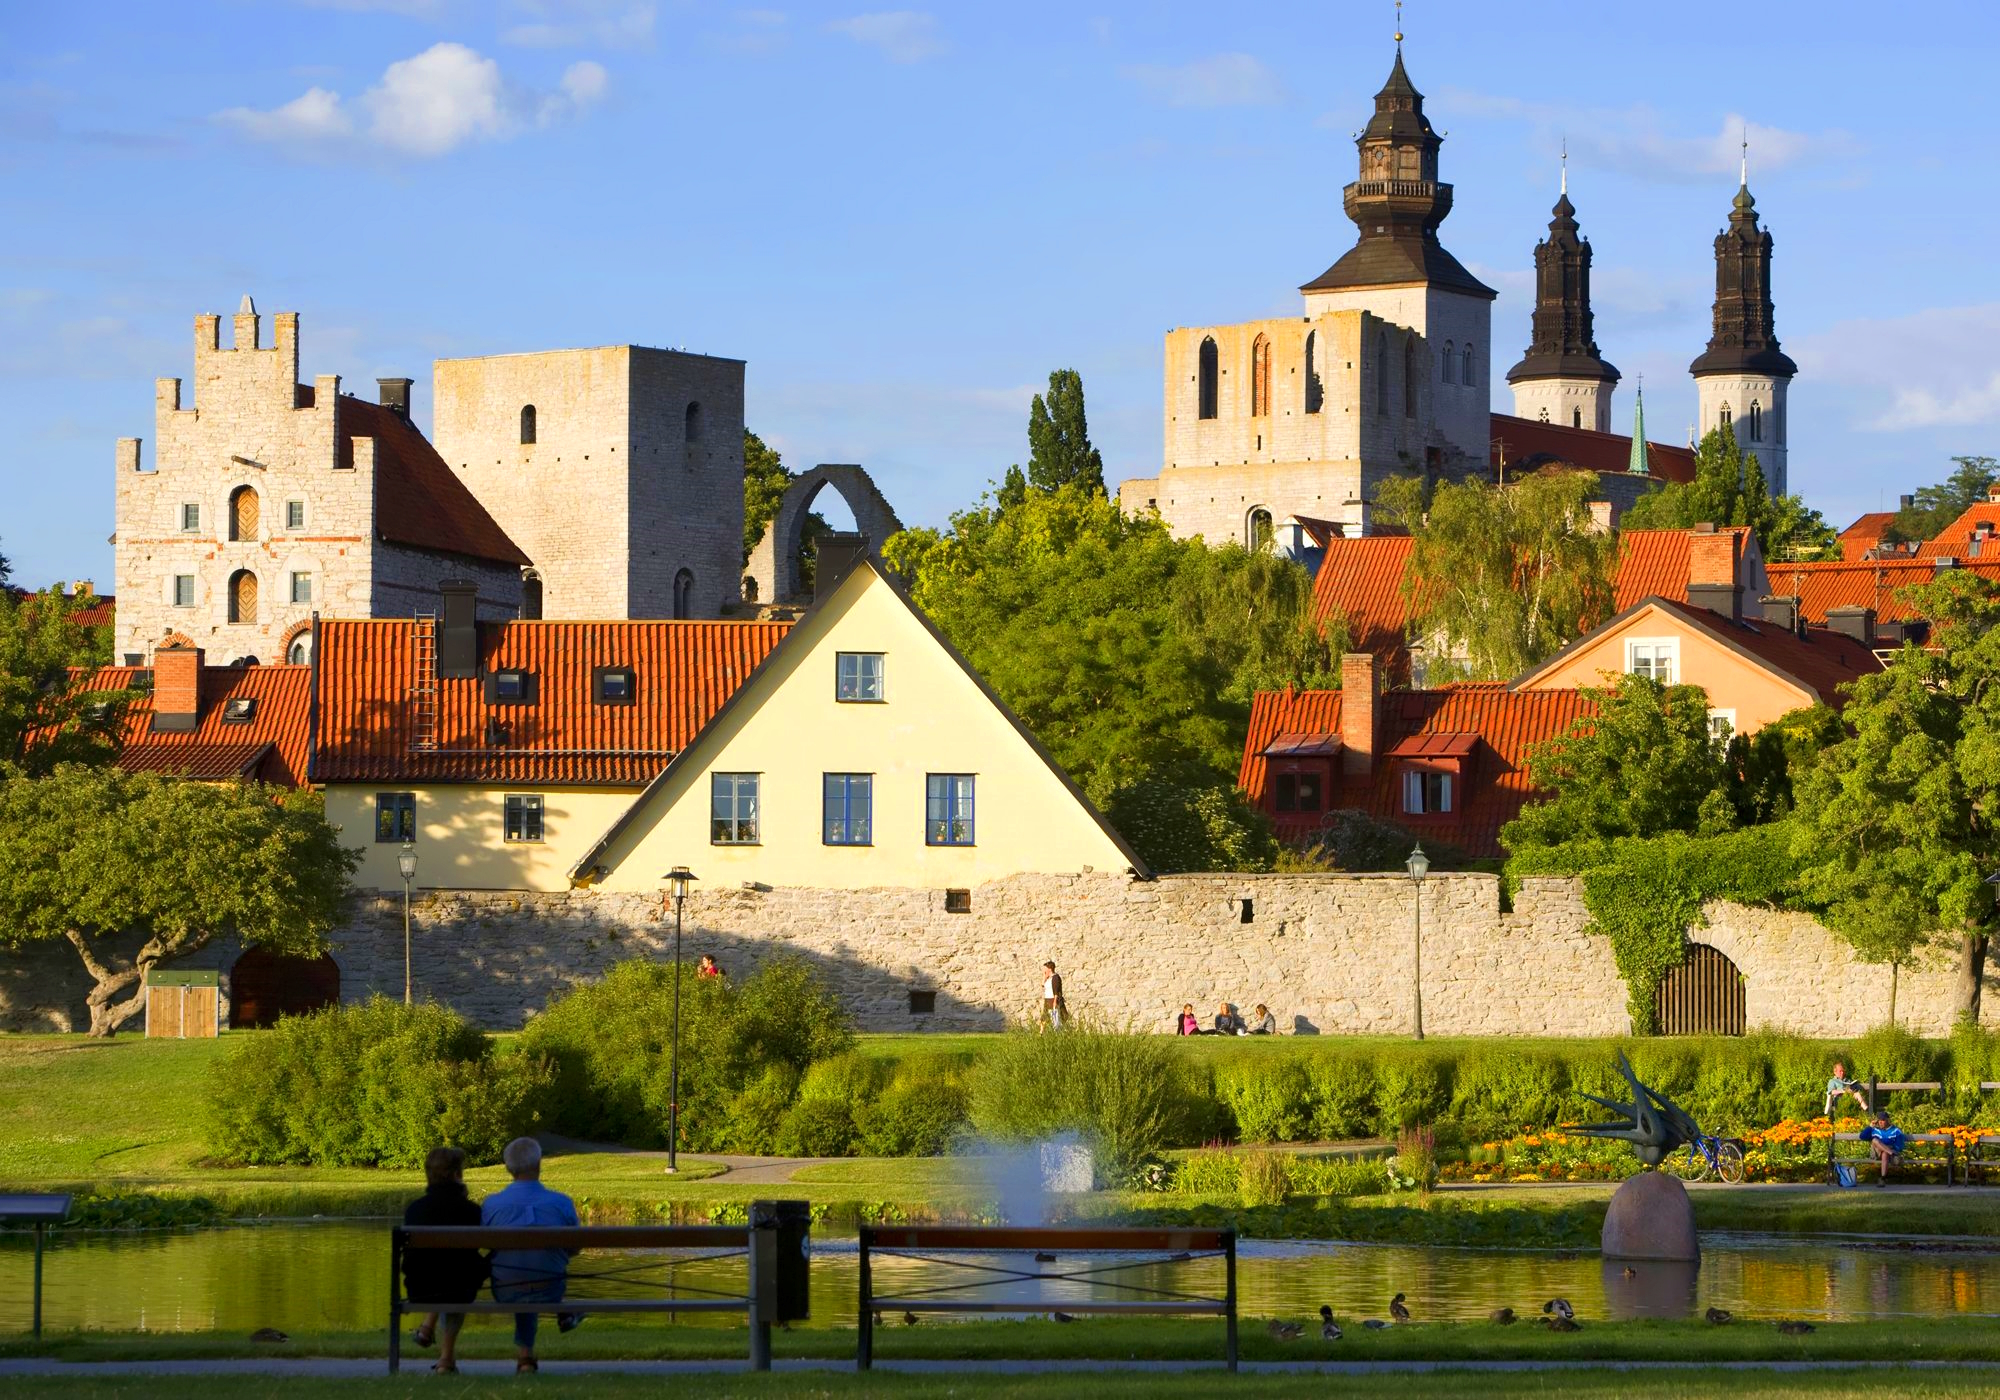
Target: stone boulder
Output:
[(1650, 1218)]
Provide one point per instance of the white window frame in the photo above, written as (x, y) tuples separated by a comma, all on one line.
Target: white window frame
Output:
[(857, 672), (1656, 646), (1416, 794), (190, 517), (302, 576), (1727, 717), (193, 591), (297, 508)]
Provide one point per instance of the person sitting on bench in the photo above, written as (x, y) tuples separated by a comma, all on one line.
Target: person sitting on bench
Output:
[(443, 1275), (529, 1275), (1886, 1142), (1839, 1087)]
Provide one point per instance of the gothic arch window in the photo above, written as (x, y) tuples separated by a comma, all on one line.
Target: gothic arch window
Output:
[(1576, 418), (531, 595), (527, 425), (1382, 373), (683, 594), (1727, 417), (243, 513), (1465, 365), (1207, 373), (1257, 531), (243, 596), (1756, 420), (1410, 377), (1315, 395), (301, 650), (1450, 364), (694, 422), (1260, 378)]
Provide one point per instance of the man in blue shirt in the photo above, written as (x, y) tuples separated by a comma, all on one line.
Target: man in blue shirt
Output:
[(529, 1275)]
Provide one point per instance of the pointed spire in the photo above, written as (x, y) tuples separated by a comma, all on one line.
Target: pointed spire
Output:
[(1565, 162), (1640, 464)]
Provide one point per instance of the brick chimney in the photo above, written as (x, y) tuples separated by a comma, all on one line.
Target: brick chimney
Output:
[(1715, 580), (1360, 696), (176, 688)]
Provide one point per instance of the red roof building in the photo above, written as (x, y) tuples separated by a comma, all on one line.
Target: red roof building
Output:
[(1863, 539), (1971, 536), (1526, 444), (213, 723)]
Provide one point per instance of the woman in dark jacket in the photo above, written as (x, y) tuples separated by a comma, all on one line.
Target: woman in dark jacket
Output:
[(443, 1275)]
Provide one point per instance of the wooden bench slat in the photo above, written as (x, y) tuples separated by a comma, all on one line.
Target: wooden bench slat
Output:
[(582, 1237), (1053, 1239), (588, 1305), (1912, 1084), (1042, 1305)]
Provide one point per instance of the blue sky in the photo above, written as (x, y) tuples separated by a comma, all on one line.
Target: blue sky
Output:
[(904, 219)]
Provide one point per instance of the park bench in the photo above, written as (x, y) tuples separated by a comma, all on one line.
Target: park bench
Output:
[(1919, 1149), (773, 1245), (1043, 1248)]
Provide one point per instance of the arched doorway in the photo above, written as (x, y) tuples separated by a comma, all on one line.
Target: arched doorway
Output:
[(1703, 996), (244, 513), (264, 986), (243, 596)]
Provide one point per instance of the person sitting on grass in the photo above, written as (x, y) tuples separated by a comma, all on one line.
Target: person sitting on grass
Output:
[(1262, 1022), (529, 1275), (1839, 1087), (1886, 1142), (443, 1275), (1227, 1022), (1188, 1023)]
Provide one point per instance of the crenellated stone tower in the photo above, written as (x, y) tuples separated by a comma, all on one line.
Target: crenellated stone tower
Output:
[(1562, 378), (1743, 376)]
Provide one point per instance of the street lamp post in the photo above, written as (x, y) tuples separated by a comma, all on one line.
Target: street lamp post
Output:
[(406, 862), (678, 880), (1419, 865)]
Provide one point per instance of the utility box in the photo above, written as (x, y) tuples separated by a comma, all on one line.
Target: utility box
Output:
[(183, 1005), (791, 1223)]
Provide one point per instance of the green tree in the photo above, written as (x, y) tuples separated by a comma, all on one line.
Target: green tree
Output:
[(1643, 763), (1249, 613), (1059, 450), (1932, 508), (1187, 817), (50, 710), (104, 859), (1729, 489), (1503, 578)]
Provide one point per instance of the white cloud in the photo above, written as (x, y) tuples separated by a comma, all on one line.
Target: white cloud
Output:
[(1224, 80), (556, 24), (1636, 141), (904, 36), (1930, 369), (426, 105)]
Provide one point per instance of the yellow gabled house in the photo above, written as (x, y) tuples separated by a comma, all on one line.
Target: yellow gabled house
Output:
[(863, 752)]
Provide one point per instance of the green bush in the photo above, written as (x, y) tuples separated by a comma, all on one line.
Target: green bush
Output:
[(757, 1114), (1270, 1096), (1123, 1091), (920, 1113), (1339, 1176), (821, 1127), (1207, 1174), (1264, 1178), (609, 1041), (374, 1084)]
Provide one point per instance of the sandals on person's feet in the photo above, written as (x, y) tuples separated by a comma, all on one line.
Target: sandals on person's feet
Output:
[(442, 1369), (525, 1365), (423, 1336)]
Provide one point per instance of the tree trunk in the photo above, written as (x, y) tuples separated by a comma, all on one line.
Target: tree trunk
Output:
[(107, 1013), (1971, 971)]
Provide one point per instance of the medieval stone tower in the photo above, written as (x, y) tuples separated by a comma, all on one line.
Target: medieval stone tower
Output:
[(1562, 378), (1743, 376), (619, 470)]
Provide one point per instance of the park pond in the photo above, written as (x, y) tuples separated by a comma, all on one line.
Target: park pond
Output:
[(333, 1276)]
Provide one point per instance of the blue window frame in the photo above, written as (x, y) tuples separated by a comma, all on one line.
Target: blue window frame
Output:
[(948, 809), (858, 677), (733, 809), (847, 809)]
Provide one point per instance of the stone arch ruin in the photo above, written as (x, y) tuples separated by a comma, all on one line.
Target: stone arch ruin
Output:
[(772, 575)]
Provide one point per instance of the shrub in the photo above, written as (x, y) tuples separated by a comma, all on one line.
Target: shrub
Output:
[(374, 1084), (822, 1127), (1270, 1096), (1410, 1088), (1208, 1174), (1342, 1084), (1339, 1176), (610, 1042), (1122, 1090), (1264, 1178), (757, 1114), (921, 1112)]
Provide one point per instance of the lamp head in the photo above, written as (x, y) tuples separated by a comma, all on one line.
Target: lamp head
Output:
[(678, 879), (1419, 864), (406, 861)]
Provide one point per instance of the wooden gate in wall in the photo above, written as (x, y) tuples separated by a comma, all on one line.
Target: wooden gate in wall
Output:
[(1703, 996)]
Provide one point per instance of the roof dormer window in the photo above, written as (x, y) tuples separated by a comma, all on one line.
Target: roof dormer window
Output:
[(240, 710), (510, 687), (613, 685)]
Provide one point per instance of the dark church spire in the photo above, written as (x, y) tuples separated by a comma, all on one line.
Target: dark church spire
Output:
[(1746, 336), (1562, 343), (1397, 201)]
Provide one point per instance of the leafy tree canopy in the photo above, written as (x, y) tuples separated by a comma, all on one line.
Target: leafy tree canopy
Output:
[(1059, 450), (1932, 508), (1728, 489), (102, 858), (48, 712), (1502, 578)]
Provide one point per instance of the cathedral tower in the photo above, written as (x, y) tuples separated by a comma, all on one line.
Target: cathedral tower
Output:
[(1561, 378), (1399, 271), (1742, 377)]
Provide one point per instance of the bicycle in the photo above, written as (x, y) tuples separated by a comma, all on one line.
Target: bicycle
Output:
[(1708, 1154)]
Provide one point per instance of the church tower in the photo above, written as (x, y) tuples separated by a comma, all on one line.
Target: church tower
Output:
[(1562, 378), (1742, 377), (1400, 272)]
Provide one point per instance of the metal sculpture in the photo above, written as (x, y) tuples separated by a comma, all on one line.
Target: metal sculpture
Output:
[(1654, 1125)]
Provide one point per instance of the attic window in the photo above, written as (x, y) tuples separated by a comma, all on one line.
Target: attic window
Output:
[(239, 710), (613, 685), (923, 1003), (510, 687), (958, 901)]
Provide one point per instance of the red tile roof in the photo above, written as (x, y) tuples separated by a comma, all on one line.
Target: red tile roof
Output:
[(270, 746), (1494, 785), (1362, 581), (1865, 534), (1528, 443), (1654, 564), (419, 501), (1875, 583), (684, 671), (1971, 536)]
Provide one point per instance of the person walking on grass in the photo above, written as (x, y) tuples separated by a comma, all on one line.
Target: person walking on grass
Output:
[(529, 1275), (443, 1275), (1054, 1009)]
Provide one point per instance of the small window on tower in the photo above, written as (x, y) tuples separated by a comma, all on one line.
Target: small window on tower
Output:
[(1756, 420), (527, 425), (1576, 418), (1465, 365), (1450, 364)]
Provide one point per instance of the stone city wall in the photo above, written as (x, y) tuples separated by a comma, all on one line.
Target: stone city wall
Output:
[(1328, 954)]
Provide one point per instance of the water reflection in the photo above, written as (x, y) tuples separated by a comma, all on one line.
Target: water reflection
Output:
[(334, 1276)]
